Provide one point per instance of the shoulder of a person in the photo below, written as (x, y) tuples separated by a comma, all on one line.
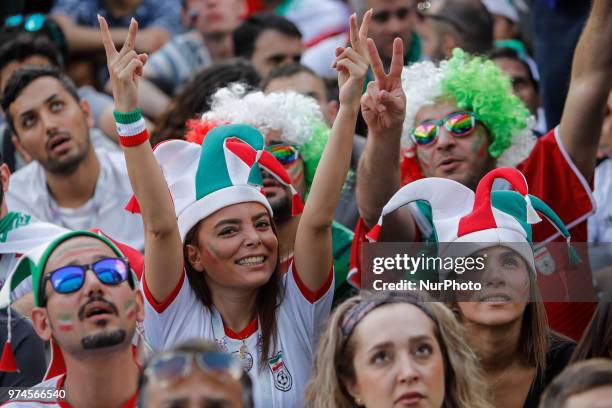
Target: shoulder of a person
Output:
[(26, 178), (560, 350), (114, 159)]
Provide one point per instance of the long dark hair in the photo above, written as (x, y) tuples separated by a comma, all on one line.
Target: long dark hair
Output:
[(269, 296)]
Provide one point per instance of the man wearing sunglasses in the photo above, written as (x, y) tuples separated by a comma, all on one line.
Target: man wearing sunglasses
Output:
[(88, 304), (463, 121), (194, 374)]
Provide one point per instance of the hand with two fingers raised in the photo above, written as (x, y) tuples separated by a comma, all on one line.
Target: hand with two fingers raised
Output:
[(125, 67), (384, 104), (352, 62)]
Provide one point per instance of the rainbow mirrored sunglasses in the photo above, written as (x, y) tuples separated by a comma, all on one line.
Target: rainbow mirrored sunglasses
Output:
[(458, 124), (283, 152)]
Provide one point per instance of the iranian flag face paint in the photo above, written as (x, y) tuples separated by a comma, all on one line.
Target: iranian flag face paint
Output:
[(65, 321), (130, 308)]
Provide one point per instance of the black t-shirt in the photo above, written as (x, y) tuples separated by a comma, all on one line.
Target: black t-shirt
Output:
[(558, 356)]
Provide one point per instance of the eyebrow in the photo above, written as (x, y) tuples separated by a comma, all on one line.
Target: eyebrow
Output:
[(412, 339), (508, 254), (238, 220), (46, 101)]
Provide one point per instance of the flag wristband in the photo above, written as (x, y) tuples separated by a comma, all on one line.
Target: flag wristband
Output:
[(131, 128)]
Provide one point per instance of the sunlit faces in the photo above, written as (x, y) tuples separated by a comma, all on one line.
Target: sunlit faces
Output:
[(52, 126), (95, 316), (216, 16), (398, 360), (599, 397), (464, 159), (506, 283), (391, 19), (237, 247), (273, 48), (197, 390)]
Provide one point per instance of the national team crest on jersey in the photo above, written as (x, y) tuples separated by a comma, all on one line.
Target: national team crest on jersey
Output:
[(280, 372), (544, 261)]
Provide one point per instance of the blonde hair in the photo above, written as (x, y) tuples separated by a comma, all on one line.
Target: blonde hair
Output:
[(333, 367)]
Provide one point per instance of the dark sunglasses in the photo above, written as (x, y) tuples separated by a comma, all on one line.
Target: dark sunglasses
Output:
[(283, 152), (383, 16), (168, 367), (459, 124), (70, 278)]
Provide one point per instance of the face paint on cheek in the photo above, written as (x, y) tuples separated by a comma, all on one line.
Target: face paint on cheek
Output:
[(480, 146), (65, 321), (130, 308), (211, 253), (296, 173)]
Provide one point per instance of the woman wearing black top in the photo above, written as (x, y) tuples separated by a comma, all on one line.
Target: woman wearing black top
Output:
[(506, 327)]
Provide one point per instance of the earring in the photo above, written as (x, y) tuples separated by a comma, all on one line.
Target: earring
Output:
[(358, 401)]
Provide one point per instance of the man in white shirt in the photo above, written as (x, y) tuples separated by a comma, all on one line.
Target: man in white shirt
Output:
[(91, 316), (69, 183)]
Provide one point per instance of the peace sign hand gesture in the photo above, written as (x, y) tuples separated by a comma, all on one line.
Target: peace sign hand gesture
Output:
[(125, 67), (352, 62), (384, 104)]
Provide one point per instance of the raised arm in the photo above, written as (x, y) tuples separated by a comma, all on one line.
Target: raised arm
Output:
[(378, 175), (163, 247), (313, 242), (591, 81)]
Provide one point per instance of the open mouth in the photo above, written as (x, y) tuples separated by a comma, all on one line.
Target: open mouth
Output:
[(98, 309), (58, 143), (447, 163), (495, 298), (251, 260)]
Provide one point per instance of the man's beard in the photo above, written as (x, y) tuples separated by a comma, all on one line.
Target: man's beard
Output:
[(104, 339), (67, 167)]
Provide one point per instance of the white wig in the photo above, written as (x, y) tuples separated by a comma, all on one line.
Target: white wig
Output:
[(293, 114)]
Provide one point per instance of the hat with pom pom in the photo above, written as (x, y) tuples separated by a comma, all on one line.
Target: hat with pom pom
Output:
[(223, 171), (487, 218)]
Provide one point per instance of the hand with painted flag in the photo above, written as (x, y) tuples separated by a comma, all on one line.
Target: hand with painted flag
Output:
[(125, 66), (352, 62), (384, 104)]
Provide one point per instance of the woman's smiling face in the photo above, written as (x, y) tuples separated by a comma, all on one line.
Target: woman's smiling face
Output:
[(237, 247)]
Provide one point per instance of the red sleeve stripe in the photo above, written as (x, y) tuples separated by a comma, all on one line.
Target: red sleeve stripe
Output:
[(311, 296), (159, 307)]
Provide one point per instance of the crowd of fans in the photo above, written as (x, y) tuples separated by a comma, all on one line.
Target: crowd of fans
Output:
[(190, 191)]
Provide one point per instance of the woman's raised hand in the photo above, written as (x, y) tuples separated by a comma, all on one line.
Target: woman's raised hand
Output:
[(125, 66), (352, 62)]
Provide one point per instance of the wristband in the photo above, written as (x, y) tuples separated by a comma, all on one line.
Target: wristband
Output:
[(131, 128)]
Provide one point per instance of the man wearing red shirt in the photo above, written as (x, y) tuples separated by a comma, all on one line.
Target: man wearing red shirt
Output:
[(463, 121)]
